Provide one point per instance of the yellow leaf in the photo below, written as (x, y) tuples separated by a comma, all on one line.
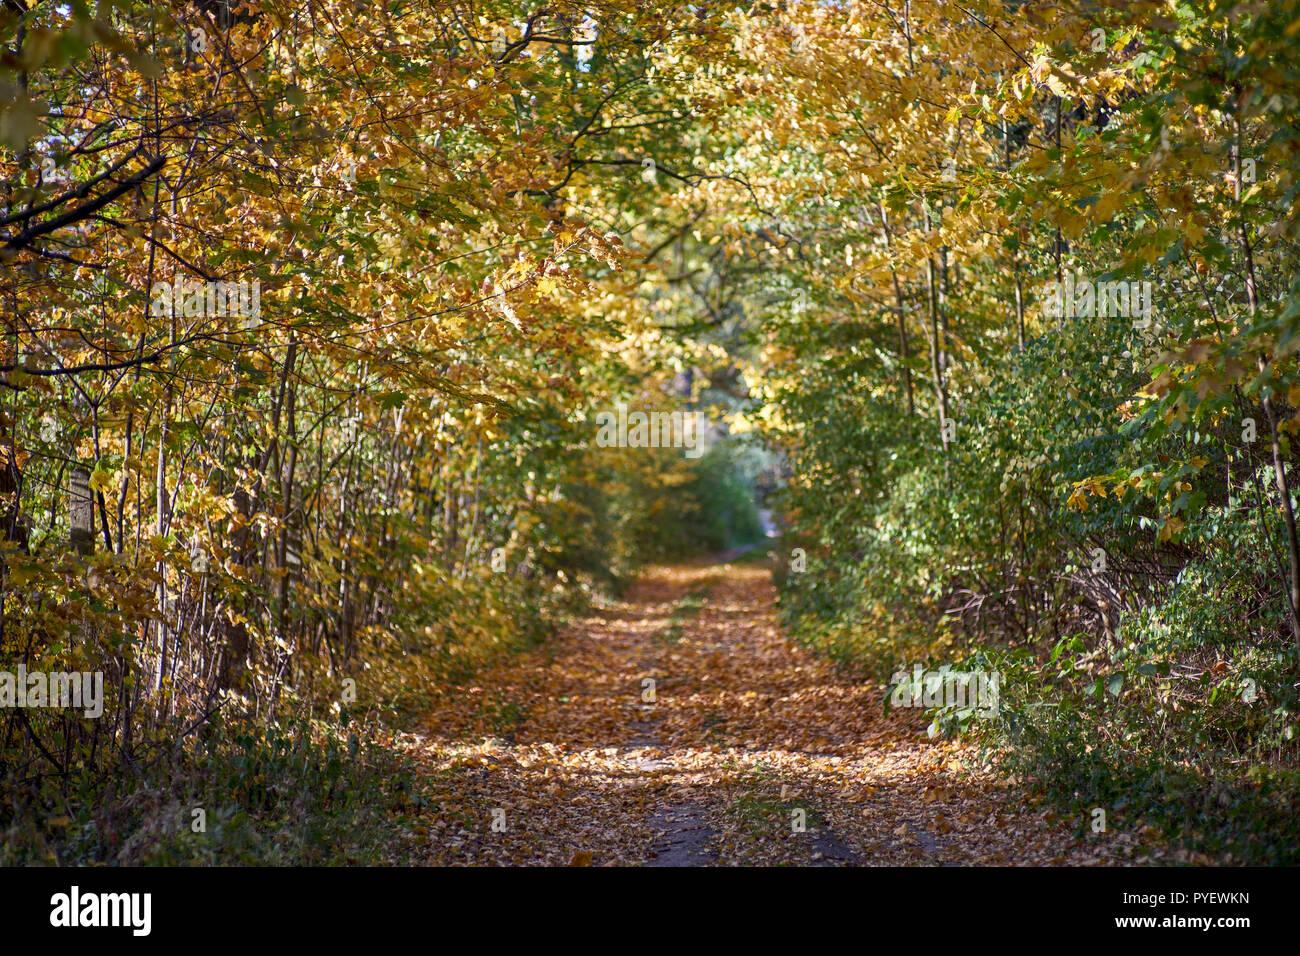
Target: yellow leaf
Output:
[(100, 481)]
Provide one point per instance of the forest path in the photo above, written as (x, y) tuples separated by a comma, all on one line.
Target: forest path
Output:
[(744, 737)]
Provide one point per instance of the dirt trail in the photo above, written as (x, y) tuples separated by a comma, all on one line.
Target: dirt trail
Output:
[(744, 750)]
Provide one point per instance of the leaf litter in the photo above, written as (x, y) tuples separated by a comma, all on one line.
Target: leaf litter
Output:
[(746, 750)]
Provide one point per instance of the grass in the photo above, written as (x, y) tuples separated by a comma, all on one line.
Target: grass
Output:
[(503, 715), (312, 794), (756, 555), (688, 607), (766, 815)]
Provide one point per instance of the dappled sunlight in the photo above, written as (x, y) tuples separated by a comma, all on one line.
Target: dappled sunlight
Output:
[(743, 734), (371, 370)]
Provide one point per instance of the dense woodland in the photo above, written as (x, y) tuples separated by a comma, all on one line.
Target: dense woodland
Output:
[(309, 308)]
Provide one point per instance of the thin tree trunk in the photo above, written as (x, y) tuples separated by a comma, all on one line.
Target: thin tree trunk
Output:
[(936, 362), (1270, 412), (903, 350)]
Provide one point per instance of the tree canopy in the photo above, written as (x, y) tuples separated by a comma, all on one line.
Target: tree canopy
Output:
[(309, 309)]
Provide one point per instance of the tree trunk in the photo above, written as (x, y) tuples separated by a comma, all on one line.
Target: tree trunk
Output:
[(1270, 412)]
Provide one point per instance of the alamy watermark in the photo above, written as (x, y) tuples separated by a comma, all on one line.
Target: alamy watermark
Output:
[(84, 689), (195, 299), (76, 909), (624, 429), (1083, 298), (946, 688)]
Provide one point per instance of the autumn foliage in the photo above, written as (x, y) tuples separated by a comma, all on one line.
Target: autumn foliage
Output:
[(308, 308)]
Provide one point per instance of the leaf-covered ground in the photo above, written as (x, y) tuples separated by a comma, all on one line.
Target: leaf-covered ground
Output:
[(560, 749)]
